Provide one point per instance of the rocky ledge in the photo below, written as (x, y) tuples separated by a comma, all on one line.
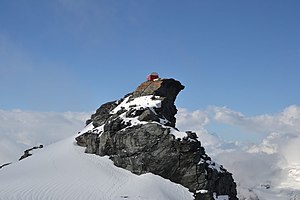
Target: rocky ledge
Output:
[(138, 133)]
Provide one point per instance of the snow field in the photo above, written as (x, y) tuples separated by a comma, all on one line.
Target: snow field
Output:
[(64, 171)]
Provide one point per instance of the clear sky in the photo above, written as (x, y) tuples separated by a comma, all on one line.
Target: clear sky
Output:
[(64, 55)]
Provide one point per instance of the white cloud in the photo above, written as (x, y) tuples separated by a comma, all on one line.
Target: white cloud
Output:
[(275, 160), (196, 121), (286, 121), (22, 129)]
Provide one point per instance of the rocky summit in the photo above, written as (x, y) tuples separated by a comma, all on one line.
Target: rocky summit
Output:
[(138, 133)]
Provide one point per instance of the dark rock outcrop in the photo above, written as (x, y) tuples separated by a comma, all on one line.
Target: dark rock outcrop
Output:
[(4, 165), (168, 89), (28, 153), (138, 133), (102, 114)]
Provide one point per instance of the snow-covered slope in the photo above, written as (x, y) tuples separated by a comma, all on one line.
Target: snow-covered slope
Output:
[(63, 171)]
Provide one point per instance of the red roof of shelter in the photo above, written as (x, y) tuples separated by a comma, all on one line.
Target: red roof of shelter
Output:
[(152, 76)]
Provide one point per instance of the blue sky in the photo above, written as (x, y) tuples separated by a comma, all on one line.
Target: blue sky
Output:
[(65, 55), (239, 61)]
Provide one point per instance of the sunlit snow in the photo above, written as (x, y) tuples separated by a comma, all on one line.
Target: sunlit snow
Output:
[(64, 171)]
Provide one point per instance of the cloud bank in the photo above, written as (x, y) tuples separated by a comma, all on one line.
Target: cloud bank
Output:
[(269, 169), (23, 129), (286, 121)]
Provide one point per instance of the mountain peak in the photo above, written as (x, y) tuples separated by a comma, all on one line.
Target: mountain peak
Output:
[(165, 89), (168, 88), (138, 133)]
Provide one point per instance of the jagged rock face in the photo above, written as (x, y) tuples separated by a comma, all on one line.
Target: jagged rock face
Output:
[(168, 89), (138, 133), (102, 114)]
